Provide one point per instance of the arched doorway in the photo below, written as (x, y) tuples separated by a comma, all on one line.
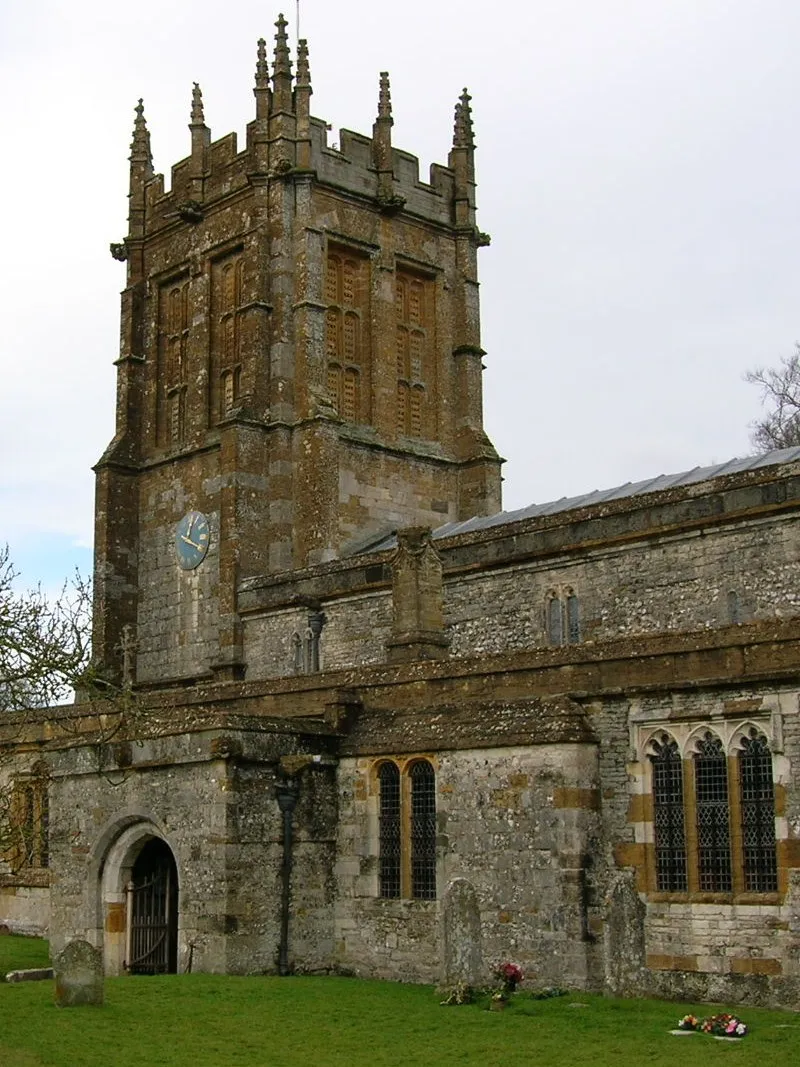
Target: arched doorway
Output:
[(152, 911)]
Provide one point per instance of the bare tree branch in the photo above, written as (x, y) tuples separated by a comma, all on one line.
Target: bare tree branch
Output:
[(45, 659), (780, 397)]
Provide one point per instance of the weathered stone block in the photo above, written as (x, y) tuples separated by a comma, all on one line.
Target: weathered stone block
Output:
[(79, 975)]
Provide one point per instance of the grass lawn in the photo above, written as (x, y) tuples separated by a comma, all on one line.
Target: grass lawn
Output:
[(198, 1020), (20, 953)]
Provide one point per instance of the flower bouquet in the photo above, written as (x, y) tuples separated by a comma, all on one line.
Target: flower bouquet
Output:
[(689, 1022), (509, 975), (723, 1025)]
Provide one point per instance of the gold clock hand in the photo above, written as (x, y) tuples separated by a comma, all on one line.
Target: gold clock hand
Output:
[(194, 544)]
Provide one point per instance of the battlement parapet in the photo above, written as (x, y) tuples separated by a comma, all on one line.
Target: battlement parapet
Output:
[(284, 142)]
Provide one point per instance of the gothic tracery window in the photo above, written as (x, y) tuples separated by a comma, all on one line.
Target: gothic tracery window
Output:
[(713, 815)]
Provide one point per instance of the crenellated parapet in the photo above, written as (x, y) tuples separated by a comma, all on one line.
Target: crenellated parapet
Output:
[(285, 142)]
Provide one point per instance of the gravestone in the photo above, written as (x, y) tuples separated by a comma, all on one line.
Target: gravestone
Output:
[(462, 957), (79, 975), (625, 951)]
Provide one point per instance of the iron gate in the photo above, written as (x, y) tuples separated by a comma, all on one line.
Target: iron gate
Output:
[(152, 912)]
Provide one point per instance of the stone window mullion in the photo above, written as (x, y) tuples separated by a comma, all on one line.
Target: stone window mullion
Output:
[(690, 802), (735, 809)]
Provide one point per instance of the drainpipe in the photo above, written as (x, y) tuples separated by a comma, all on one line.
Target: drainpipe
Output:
[(286, 793)]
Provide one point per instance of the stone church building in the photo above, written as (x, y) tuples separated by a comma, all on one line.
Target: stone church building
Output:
[(367, 722)]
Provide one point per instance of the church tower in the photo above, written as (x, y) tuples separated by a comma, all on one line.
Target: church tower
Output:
[(299, 373)]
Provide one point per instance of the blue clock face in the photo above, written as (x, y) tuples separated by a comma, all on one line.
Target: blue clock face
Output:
[(191, 540)]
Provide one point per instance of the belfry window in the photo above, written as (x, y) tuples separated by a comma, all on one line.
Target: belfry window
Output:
[(173, 354), (407, 830), (345, 328), (414, 299), (226, 324)]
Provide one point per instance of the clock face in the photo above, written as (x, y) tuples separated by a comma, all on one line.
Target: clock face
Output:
[(191, 540)]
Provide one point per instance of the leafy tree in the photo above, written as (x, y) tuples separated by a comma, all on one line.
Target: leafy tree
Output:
[(779, 427)]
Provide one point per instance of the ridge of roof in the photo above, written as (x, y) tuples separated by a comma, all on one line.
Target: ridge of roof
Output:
[(596, 496)]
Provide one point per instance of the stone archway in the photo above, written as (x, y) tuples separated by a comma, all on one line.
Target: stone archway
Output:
[(151, 941), (139, 892)]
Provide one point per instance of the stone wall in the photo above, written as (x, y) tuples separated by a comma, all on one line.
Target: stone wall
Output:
[(706, 578), (736, 946), (177, 626), (677, 583), (24, 909), (211, 797), (519, 824)]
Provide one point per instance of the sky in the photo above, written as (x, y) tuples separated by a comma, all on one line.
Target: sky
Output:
[(638, 165)]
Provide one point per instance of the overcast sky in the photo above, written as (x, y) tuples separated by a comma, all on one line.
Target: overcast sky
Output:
[(638, 167)]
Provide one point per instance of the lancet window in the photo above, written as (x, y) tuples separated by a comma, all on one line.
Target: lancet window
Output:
[(562, 618), (28, 824), (668, 815), (407, 830)]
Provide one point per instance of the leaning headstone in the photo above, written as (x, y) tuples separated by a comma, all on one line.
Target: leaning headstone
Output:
[(624, 937), (79, 975), (462, 958)]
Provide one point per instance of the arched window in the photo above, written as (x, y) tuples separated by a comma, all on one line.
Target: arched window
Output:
[(423, 831), (757, 804), (668, 817), (389, 820), (713, 816), (555, 624), (563, 618), (29, 835), (407, 830), (573, 620)]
